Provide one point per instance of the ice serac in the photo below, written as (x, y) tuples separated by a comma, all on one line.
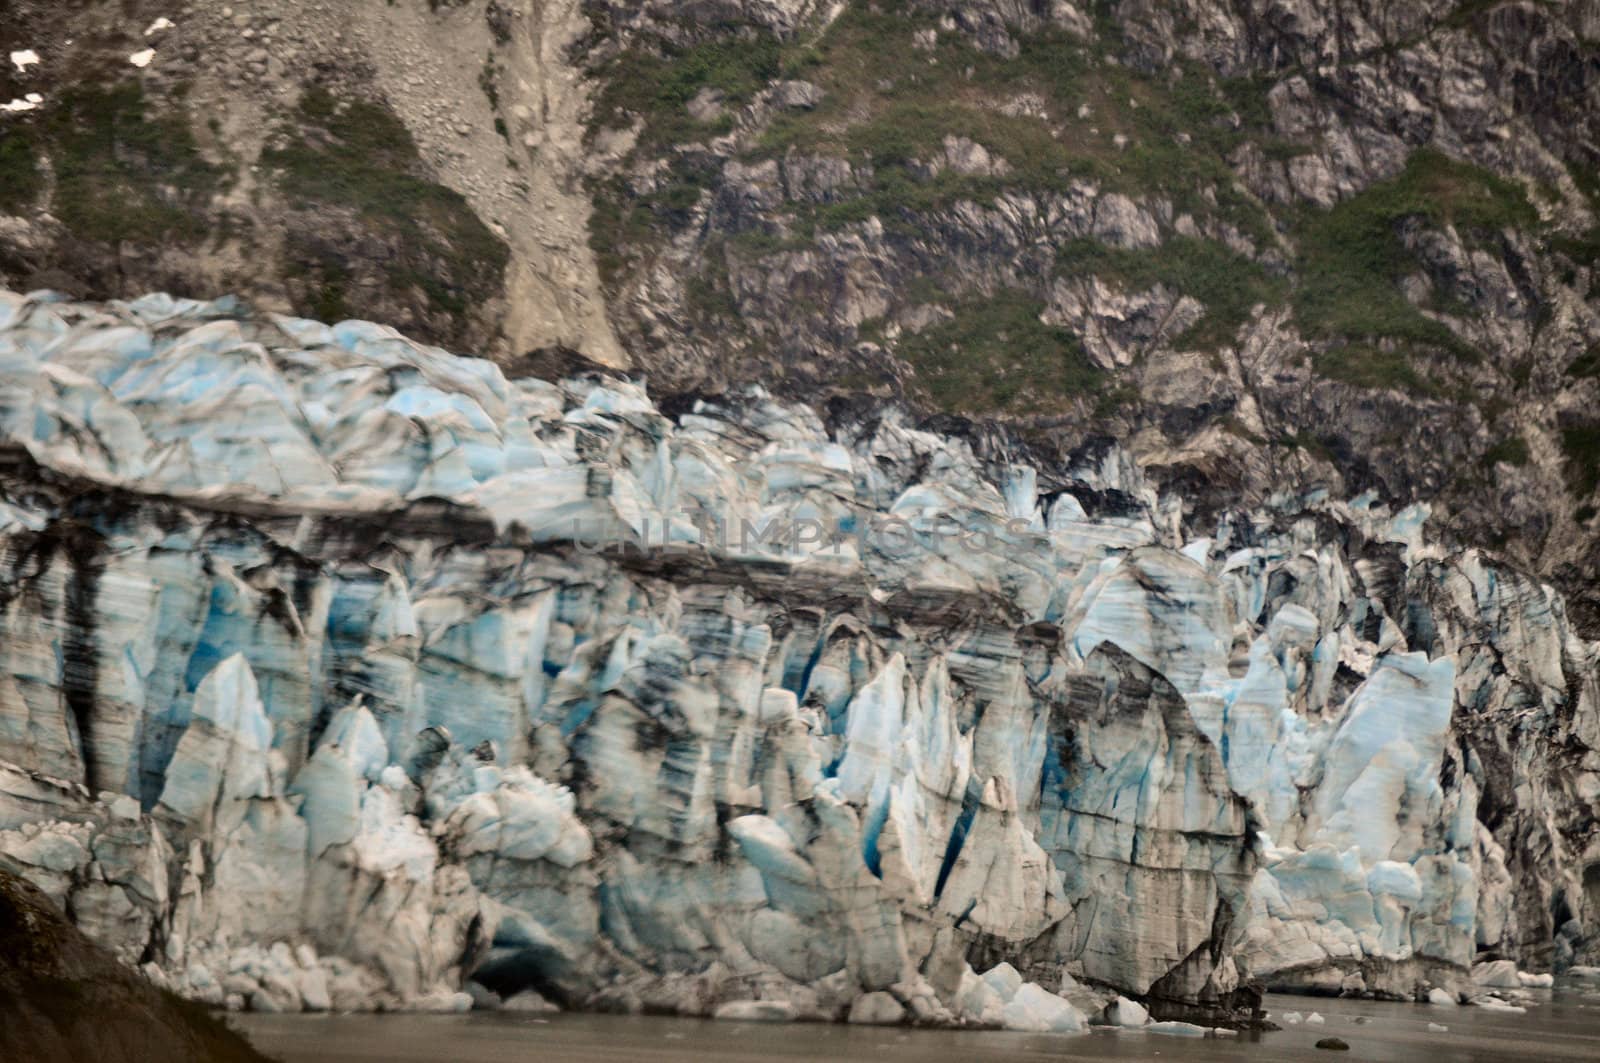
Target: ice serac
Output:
[(338, 672), (1155, 849)]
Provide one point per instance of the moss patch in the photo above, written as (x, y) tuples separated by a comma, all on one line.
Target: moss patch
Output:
[(1512, 450), (889, 103), (1582, 446), (1367, 366), (656, 87), (995, 354), (1228, 284), (896, 84), (624, 224), (21, 180), (1352, 259), (122, 171)]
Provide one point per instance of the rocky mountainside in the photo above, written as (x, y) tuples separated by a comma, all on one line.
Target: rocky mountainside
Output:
[(341, 672), (965, 509), (1262, 243), (1346, 243)]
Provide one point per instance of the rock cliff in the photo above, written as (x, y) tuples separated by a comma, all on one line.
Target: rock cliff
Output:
[(338, 671)]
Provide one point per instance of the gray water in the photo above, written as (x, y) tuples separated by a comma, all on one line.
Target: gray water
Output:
[(1565, 1027)]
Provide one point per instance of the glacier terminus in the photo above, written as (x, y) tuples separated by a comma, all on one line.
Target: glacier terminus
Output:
[(313, 697)]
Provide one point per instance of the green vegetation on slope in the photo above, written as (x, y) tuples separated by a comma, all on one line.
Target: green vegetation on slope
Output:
[(1367, 366), (1512, 450), (896, 86), (1586, 364), (1352, 259), (1227, 283), (122, 172), (889, 104), (21, 180), (886, 105), (623, 224), (1581, 443), (995, 353), (358, 156), (658, 87)]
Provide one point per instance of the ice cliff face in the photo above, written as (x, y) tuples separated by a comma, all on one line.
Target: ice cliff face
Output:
[(336, 671)]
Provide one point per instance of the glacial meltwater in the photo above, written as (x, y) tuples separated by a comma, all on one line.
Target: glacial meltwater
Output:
[(1566, 1026)]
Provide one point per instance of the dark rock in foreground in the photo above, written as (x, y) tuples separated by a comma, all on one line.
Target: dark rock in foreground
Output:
[(64, 998)]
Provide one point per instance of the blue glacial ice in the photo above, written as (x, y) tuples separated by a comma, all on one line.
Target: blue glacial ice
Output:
[(341, 672)]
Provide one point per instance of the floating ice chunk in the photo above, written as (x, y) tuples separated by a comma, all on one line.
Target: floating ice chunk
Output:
[(1535, 981), (1293, 1018), (162, 23), (484, 998), (1176, 1029), (141, 59), (976, 999), (529, 1001), (760, 1011), (442, 1002), (1314, 1019), (1442, 998), (1496, 1004), (1037, 1010), (1434, 1027), (24, 58), (16, 105)]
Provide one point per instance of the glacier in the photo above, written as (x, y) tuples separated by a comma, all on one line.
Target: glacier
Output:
[(339, 672)]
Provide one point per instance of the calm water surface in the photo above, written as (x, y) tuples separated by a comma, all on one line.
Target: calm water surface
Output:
[(1565, 1027)]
